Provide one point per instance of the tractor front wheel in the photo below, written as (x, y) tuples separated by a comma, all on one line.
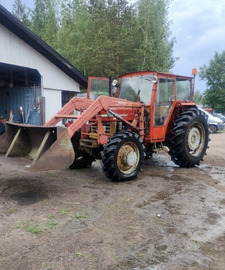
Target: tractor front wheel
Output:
[(188, 139), (82, 162), (82, 159), (123, 156)]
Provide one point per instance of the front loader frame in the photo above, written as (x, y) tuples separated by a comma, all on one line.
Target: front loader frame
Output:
[(103, 109)]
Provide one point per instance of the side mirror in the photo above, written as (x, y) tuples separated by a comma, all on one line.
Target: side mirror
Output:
[(114, 86), (115, 83)]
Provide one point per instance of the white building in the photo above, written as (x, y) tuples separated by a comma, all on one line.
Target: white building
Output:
[(32, 74)]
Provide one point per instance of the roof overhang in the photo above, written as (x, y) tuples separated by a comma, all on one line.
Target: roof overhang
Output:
[(24, 33)]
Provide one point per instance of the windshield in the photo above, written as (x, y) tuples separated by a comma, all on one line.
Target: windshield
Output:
[(137, 88), (98, 87), (184, 88)]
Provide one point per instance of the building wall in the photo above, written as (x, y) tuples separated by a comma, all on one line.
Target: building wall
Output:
[(53, 102), (15, 51)]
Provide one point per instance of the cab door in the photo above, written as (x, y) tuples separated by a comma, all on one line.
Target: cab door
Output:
[(164, 98)]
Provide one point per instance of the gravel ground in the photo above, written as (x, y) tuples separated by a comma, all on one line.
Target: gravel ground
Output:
[(168, 218)]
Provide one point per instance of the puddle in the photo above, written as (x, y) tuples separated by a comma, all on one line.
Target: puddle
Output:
[(28, 198), (217, 173), (163, 160)]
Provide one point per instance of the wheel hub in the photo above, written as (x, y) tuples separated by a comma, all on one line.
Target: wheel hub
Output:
[(130, 159), (194, 138)]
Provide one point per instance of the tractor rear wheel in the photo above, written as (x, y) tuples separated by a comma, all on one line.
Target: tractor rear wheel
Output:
[(123, 156), (188, 139)]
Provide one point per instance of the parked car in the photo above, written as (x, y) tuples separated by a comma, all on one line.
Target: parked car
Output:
[(214, 123), (222, 117)]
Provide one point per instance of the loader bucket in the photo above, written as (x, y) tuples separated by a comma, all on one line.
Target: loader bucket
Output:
[(45, 148)]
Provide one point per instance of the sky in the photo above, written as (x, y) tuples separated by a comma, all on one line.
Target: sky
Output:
[(198, 27)]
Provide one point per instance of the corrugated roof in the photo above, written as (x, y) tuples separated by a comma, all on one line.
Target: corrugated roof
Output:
[(23, 32)]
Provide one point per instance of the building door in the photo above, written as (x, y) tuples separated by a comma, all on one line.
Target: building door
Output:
[(20, 105), (20, 94)]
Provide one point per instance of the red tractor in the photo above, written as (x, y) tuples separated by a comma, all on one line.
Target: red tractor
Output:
[(119, 125)]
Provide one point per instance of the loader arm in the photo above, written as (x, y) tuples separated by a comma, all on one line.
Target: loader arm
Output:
[(101, 103), (75, 103), (89, 109)]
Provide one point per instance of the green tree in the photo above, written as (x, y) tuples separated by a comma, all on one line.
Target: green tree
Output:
[(75, 34), (115, 34), (107, 37), (198, 97), (214, 75), (21, 12), (45, 21), (39, 17), (100, 36), (156, 49), (51, 28)]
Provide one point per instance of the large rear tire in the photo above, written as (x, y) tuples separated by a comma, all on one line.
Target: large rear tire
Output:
[(123, 156), (188, 139)]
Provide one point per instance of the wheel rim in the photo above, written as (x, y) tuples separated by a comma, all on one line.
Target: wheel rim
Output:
[(196, 138), (128, 157)]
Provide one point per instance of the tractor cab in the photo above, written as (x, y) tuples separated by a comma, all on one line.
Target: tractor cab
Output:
[(137, 87), (98, 86), (159, 93)]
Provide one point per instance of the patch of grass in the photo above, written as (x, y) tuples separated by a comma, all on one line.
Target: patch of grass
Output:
[(77, 218), (9, 234), (133, 246), (31, 228), (64, 211), (36, 228), (79, 254), (52, 224), (51, 216)]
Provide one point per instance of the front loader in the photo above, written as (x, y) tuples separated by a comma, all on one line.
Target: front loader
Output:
[(119, 126)]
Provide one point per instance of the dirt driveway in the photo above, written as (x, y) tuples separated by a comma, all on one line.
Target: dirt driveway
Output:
[(168, 218)]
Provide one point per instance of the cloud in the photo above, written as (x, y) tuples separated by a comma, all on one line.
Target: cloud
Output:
[(198, 27), (7, 4)]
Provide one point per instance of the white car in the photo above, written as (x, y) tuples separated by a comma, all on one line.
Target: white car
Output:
[(214, 123)]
